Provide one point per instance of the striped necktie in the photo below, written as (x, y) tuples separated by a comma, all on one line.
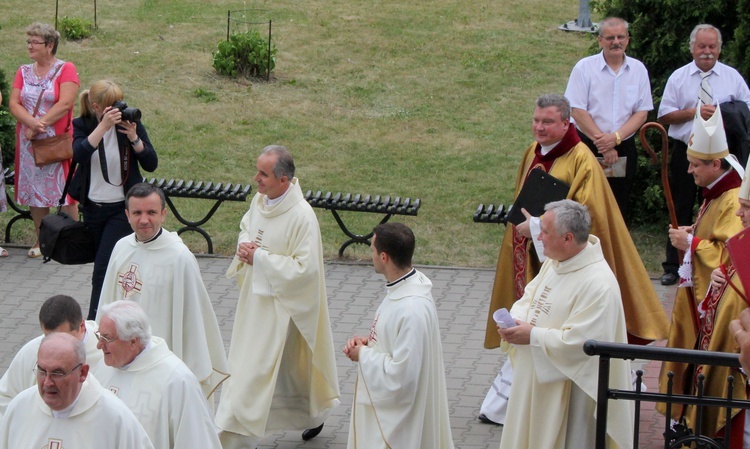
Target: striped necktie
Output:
[(704, 93)]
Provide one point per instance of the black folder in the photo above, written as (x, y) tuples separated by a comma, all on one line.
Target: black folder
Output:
[(539, 189)]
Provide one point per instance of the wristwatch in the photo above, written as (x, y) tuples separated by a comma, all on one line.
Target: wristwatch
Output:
[(138, 140), (618, 139)]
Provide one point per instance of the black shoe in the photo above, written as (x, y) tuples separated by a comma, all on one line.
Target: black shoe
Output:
[(309, 434), (669, 278), (483, 418)]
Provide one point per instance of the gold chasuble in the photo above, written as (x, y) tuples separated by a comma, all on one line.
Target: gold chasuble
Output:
[(572, 162), (716, 222)]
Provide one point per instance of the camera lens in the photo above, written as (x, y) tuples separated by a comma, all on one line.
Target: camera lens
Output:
[(131, 114), (128, 114)]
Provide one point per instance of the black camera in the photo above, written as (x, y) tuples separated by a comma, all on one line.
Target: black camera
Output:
[(128, 114)]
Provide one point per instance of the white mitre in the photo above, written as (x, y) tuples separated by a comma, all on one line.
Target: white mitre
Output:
[(745, 187), (708, 139)]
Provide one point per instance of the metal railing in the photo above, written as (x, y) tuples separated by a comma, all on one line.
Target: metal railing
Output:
[(607, 351)]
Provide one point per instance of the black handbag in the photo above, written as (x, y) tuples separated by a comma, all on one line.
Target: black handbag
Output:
[(63, 239)]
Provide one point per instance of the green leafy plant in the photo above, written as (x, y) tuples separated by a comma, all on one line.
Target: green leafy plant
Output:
[(244, 54), (74, 28), (206, 95), (7, 124)]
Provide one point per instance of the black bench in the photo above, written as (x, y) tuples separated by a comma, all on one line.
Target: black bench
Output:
[(218, 192), (23, 214), (173, 188), (492, 214), (336, 202), (177, 188)]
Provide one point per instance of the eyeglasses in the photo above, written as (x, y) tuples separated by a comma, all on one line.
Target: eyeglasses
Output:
[(620, 37), (104, 339), (54, 375), (30, 42)]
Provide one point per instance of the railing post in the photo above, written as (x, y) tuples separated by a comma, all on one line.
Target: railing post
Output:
[(602, 402), (268, 70)]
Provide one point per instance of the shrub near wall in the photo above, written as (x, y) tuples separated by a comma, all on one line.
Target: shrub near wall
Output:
[(7, 124)]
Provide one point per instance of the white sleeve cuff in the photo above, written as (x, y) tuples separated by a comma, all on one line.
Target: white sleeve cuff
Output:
[(535, 228)]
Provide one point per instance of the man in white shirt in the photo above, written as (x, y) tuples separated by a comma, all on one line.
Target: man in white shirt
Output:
[(610, 96), (715, 83), (68, 408), (154, 383), (59, 313)]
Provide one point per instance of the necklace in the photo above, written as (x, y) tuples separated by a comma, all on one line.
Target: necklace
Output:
[(40, 74)]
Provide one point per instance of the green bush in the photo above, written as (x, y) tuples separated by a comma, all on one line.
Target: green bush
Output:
[(7, 124), (244, 54), (75, 29)]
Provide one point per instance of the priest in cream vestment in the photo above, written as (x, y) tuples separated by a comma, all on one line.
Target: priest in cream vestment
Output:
[(60, 313), (558, 150), (154, 268), (72, 411), (400, 397), (281, 353), (153, 382), (574, 298)]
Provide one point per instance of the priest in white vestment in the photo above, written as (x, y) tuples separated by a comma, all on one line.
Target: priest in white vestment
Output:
[(60, 313), (154, 268), (68, 408), (154, 383), (575, 297), (281, 354), (400, 397)]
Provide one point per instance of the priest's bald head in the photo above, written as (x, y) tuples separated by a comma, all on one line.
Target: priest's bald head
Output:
[(60, 369)]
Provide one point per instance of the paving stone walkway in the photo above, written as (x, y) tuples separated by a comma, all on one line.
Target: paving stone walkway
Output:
[(354, 292)]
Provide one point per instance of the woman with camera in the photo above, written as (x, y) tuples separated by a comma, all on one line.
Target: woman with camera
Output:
[(109, 150), (42, 101)]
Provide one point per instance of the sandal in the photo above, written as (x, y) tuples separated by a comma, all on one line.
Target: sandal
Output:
[(3, 252), (35, 252)]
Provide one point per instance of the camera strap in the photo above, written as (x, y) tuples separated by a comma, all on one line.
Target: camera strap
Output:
[(124, 162)]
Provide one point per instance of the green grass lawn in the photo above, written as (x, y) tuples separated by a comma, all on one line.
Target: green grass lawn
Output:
[(429, 100)]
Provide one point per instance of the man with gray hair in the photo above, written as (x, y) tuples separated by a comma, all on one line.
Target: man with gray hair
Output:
[(558, 151), (574, 298), (68, 407), (281, 354), (152, 381), (714, 83), (610, 96)]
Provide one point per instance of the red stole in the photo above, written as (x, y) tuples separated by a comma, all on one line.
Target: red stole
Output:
[(544, 162)]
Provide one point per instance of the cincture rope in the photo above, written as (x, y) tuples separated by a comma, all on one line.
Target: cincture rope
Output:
[(354, 409)]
